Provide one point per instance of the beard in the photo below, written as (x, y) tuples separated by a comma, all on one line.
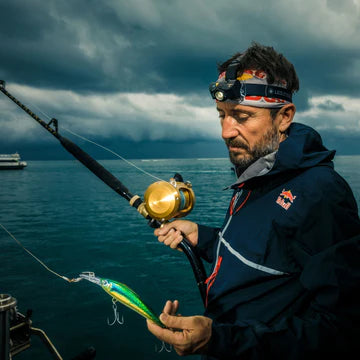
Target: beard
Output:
[(266, 145)]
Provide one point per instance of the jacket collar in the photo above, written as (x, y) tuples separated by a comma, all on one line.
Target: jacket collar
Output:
[(259, 168), (303, 148)]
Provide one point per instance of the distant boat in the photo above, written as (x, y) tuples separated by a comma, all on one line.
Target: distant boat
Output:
[(11, 162)]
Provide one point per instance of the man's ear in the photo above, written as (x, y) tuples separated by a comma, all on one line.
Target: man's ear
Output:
[(285, 117)]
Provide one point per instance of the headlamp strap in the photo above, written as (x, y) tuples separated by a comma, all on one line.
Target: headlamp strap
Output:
[(268, 91)]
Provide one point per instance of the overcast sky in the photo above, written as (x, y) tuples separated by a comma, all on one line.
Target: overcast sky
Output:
[(135, 74)]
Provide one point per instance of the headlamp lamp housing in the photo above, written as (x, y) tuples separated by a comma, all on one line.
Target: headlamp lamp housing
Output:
[(225, 90)]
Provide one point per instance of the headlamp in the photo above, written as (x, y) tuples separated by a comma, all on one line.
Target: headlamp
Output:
[(228, 88), (231, 88)]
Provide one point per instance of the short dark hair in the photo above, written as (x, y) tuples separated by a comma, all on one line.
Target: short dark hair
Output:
[(260, 57)]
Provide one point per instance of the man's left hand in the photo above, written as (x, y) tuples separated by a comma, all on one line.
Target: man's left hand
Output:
[(188, 335)]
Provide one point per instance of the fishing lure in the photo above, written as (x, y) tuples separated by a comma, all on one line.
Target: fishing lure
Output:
[(124, 294)]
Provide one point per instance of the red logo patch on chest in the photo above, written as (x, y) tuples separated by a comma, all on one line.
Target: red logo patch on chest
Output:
[(285, 199)]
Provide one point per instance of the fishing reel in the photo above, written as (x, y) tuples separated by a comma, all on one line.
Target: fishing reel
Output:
[(167, 200)]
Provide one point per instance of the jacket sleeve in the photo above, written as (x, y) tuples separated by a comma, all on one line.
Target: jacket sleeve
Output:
[(206, 238), (329, 326)]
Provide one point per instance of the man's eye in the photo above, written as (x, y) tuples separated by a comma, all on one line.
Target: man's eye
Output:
[(241, 117)]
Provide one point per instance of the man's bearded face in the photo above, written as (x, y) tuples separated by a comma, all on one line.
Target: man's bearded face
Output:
[(242, 155), (249, 132)]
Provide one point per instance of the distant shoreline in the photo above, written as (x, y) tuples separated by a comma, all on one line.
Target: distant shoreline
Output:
[(168, 159)]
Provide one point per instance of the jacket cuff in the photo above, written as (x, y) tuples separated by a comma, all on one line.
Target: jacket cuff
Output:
[(229, 341)]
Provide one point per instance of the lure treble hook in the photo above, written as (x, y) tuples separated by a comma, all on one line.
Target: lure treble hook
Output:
[(163, 347), (116, 315)]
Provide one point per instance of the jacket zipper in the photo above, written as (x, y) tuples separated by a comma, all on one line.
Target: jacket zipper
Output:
[(210, 280)]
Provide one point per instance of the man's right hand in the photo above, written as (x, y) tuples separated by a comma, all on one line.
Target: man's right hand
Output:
[(171, 234)]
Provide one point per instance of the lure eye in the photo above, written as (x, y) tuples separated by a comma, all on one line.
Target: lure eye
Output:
[(105, 283)]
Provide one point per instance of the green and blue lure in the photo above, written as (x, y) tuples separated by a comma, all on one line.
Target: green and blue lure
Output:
[(123, 294)]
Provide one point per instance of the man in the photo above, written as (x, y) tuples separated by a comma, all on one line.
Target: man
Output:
[(286, 271)]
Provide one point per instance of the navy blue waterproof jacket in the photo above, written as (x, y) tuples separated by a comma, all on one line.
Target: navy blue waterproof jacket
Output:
[(286, 262)]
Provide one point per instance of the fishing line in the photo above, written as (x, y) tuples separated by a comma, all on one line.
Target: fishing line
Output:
[(112, 152), (38, 260), (42, 112), (99, 145)]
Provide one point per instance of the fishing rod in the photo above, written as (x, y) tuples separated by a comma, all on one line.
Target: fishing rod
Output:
[(162, 200)]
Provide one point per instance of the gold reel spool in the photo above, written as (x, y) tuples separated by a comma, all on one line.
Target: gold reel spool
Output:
[(166, 200)]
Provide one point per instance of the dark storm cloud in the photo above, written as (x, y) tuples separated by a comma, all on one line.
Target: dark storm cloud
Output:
[(81, 61), (173, 46)]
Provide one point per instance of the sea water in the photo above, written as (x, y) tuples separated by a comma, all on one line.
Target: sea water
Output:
[(73, 222)]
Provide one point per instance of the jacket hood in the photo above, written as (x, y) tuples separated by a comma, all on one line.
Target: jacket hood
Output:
[(303, 148)]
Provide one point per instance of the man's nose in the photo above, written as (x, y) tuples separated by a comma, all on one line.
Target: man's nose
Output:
[(228, 128)]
